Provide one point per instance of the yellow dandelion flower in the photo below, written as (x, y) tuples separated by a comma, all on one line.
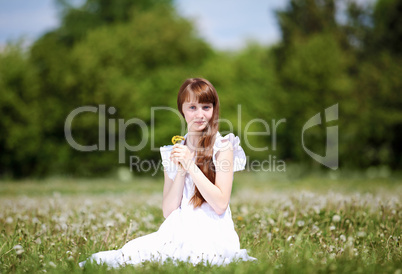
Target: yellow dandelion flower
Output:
[(177, 138)]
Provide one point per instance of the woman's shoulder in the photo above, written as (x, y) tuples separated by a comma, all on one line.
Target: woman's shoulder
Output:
[(230, 141)]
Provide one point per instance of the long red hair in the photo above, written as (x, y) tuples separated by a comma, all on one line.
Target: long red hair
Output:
[(204, 92)]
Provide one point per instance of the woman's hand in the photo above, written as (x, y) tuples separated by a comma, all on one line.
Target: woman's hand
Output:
[(181, 156)]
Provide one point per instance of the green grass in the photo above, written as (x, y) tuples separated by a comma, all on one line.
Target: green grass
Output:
[(288, 224)]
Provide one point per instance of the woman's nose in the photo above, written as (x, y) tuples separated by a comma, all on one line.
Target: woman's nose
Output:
[(199, 113)]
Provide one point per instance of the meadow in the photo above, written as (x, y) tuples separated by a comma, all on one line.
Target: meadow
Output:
[(317, 223)]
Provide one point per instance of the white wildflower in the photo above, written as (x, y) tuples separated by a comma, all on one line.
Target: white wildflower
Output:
[(109, 223), (361, 234), (332, 227), (269, 236), (244, 210), (121, 218), (18, 249), (336, 218), (343, 238), (300, 223)]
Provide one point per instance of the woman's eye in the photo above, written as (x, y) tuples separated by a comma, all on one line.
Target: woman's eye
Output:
[(206, 107), (192, 107)]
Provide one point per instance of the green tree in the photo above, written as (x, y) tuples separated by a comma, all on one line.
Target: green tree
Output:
[(312, 65), (19, 114), (378, 82), (130, 64), (321, 62)]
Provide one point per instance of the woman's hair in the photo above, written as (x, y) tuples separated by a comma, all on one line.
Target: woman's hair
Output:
[(204, 92)]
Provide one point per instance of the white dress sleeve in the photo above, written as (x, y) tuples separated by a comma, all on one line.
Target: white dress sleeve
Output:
[(168, 165), (239, 157)]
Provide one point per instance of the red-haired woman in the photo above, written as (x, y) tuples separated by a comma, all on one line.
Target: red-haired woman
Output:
[(196, 194)]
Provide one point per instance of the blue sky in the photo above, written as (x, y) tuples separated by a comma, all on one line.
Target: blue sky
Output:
[(228, 24), (225, 24)]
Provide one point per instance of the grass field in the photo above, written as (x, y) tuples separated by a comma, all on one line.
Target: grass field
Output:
[(311, 224)]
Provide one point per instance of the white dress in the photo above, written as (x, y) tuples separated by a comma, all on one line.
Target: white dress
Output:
[(193, 235)]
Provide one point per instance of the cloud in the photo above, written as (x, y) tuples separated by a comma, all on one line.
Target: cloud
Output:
[(227, 24)]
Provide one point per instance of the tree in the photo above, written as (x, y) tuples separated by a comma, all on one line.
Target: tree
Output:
[(355, 64), (20, 116), (130, 63)]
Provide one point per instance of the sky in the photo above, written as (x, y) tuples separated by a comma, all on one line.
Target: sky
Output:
[(225, 24), (228, 24)]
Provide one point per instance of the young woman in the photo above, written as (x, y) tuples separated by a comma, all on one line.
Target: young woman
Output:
[(196, 194)]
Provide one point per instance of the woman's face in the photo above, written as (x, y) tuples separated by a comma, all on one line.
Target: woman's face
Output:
[(197, 115)]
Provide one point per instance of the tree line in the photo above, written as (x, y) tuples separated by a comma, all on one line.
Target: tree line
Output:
[(130, 56)]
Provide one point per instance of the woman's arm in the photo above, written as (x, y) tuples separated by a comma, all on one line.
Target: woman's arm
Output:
[(173, 192), (218, 195)]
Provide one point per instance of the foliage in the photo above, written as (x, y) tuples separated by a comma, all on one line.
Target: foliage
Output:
[(133, 55), (20, 122), (348, 64)]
